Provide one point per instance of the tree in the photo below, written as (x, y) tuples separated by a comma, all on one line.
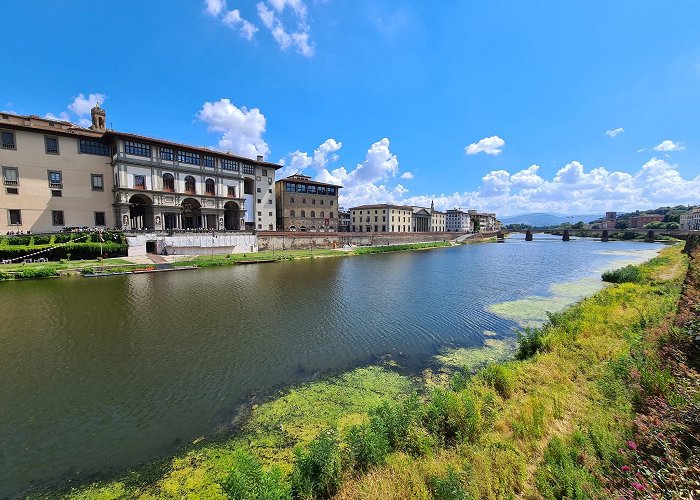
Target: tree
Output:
[(579, 225), (621, 225)]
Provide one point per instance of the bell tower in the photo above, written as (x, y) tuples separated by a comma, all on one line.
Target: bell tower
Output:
[(98, 118)]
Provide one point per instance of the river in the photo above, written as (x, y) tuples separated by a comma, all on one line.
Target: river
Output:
[(101, 374)]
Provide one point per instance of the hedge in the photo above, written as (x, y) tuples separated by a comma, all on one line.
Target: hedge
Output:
[(77, 251)]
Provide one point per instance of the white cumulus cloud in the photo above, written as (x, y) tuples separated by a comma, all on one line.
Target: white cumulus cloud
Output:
[(215, 7), (286, 38), (489, 145), (614, 132), (241, 129), (234, 20), (407, 175), (668, 145)]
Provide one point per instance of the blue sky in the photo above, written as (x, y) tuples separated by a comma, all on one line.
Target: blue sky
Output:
[(500, 105)]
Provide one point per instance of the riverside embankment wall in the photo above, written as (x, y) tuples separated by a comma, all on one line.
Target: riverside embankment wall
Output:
[(302, 241)]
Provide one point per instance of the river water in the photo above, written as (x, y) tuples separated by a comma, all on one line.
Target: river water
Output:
[(100, 374)]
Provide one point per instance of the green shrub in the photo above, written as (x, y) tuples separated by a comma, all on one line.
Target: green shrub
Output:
[(454, 416), (61, 238), (5, 276), (42, 239), (500, 378), (396, 420), (627, 274), (562, 473), (448, 487), (248, 481), (367, 445), (530, 342), (317, 470), (19, 240), (530, 423), (77, 251), (38, 272)]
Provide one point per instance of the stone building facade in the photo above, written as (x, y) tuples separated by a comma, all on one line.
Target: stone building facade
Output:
[(59, 175), (690, 220), (458, 221), (306, 205), (387, 218)]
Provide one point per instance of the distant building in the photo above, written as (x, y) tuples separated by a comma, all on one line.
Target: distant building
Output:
[(437, 219), (381, 218), (458, 221), (610, 220), (306, 205), (639, 221), (343, 220), (690, 221)]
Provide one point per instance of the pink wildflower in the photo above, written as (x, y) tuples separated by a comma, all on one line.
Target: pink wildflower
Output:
[(638, 486), (625, 468), (632, 445)]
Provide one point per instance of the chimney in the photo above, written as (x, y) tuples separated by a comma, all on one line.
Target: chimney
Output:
[(260, 157)]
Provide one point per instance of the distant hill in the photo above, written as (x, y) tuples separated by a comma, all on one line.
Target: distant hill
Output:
[(539, 219)]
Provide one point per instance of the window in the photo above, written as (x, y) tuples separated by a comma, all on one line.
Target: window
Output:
[(232, 191), (264, 173), (292, 213), (331, 216), (227, 164), (10, 176), (248, 169), (188, 157), (55, 179), (210, 187), (15, 217), (301, 188), (137, 148), (56, 193), (269, 202), (291, 200), (313, 214), (97, 181), (270, 214), (290, 187), (303, 201), (303, 213), (12, 190), (8, 140), (167, 154), (313, 201), (189, 184), (168, 183), (139, 182), (259, 190), (100, 219), (208, 161), (331, 190), (321, 190), (51, 145), (311, 189), (259, 214), (57, 218), (91, 147), (322, 203)]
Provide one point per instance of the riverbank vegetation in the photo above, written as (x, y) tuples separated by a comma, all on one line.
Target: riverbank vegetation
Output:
[(560, 420), (63, 246)]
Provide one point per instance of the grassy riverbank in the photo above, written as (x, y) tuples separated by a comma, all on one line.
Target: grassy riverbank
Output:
[(550, 424)]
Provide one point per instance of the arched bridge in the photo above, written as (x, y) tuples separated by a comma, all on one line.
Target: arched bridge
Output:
[(649, 234)]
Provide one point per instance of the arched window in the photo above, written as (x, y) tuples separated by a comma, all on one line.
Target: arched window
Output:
[(292, 213), (322, 215), (303, 213), (313, 214), (303, 201), (189, 184), (210, 187), (168, 183), (291, 200), (331, 215), (321, 202)]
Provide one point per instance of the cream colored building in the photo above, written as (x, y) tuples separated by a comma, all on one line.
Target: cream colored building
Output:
[(383, 218), (54, 175), (691, 220), (58, 175)]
